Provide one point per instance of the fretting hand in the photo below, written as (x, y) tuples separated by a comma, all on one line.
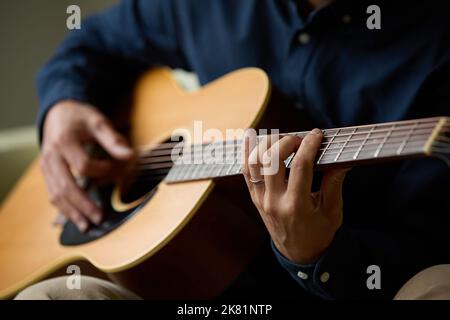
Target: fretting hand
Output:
[(302, 224)]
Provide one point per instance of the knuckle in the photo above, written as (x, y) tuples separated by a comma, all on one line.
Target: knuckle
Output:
[(253, 159), (267, 157), (246, 172), (269, 207), (300, 164), (60, 141), (64, 189), (82, 165), (99, 122), (117, 139), (53, 198), (290, 208)]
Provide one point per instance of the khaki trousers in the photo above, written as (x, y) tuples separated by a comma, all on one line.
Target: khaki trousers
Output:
[(430, 284)]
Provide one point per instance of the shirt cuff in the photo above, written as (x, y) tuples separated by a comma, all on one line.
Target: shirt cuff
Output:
[(311, 277)]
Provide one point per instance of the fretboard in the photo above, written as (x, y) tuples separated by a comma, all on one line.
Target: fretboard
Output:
[(342, 147)]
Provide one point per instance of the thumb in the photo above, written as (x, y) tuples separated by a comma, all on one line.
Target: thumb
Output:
[(112, 141), (331, 188)]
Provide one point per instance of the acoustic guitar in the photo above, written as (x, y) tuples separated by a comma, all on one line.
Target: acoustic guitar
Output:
[(175, 229)]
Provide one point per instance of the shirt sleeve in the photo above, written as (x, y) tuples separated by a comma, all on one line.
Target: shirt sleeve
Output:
[(375, 262), (304, 275), (98, 62)]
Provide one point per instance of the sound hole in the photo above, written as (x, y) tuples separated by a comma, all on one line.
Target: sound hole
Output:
[(139, 182)]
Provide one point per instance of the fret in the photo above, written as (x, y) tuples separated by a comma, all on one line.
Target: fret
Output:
[(231, 167), (209, 169), (175, 173), (237, 168), (202, 171), (345, 143), (363, 143), (187, 172), (231, 155), (367, 153), (377, 152), (195, 172), (288, 161), (340, 145), (328, 145), (408, 136)]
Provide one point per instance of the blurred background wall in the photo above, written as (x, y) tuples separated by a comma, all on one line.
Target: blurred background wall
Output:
[(29, 32)]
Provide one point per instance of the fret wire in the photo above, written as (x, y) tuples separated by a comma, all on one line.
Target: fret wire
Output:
[(377, 152), (195, 170), (159, 163), (328, 145), (422, 138), (364, 142), (175, 175), (405, 141), (231, 166), (371, 150), (343, 146), (422, 122), (347, 149), (158, 152), (235, 158), (427, 123), (424, 131), (289, 160)]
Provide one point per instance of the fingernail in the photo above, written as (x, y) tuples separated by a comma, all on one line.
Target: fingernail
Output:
[(316, 131), (97, 217), (123, 149), (82, 226)]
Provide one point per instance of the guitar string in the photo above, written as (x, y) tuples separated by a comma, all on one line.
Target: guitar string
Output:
[(392, 142), (161, 171), (365, 152), (193, 150), (169, 145), (234, 143), (445, 129)]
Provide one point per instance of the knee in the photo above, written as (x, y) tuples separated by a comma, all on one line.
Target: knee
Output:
[(89, 289), (45, 290), (430, 284)]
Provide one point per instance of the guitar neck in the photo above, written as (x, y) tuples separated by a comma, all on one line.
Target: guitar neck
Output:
[(341, 147)]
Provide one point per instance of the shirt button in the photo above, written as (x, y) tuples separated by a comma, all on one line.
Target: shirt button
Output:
[(347, 19), (325, 277), (302, 275), (304, 38)]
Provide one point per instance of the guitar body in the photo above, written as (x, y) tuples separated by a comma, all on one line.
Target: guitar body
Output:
[(187, 241)]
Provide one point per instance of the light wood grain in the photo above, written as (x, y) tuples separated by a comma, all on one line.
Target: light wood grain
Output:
[(29, 247)]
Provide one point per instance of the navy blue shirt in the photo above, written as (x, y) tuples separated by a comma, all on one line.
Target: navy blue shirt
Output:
[(339, 72)]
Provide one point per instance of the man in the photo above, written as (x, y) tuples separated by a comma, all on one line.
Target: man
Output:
[(319, 53)]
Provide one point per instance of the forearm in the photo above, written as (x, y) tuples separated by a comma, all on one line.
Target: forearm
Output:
[(99, 62)]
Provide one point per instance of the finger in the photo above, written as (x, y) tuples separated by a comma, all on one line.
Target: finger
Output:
[(331, 188), (112, 141), (278, 153), (245, 155), (80, 162), (71, 192), (73, 215), (301, 174), (251, 170), (255, 158), (60, 202)]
